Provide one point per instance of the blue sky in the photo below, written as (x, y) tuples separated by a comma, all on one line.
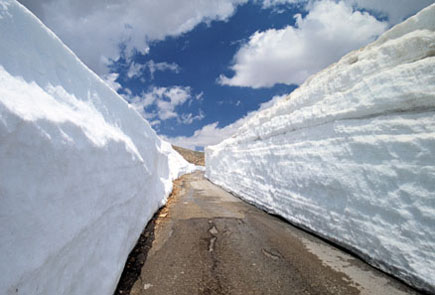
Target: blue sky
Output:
[(198, 58), (198, 69)]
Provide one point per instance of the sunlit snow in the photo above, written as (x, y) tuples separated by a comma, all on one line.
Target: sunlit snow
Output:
[(81, 172), (350, 154)]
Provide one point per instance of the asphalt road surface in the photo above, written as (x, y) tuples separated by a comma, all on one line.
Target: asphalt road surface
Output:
[(207, 241)]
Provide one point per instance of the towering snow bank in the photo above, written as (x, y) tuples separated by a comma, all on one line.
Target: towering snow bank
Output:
[(80, 172), (350, 154)]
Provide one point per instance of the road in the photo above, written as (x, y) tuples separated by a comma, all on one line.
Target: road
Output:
[(206, 241)]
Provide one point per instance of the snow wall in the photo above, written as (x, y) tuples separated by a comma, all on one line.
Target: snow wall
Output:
[(81, 173), (350, 154)]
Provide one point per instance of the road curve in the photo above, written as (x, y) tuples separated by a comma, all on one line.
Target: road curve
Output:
[(207, 241)]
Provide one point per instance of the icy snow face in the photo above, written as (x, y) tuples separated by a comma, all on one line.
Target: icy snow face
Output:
[(80, 172), (350, 155)]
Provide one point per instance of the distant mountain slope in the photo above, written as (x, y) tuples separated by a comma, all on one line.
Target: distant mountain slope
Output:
[(350, 154), (193, 157), (81, 173)]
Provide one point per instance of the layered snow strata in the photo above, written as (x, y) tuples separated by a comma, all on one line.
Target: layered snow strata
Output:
[(80, 172), (350, 154)]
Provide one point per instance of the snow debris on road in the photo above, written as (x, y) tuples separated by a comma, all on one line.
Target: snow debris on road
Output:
[(350, 154), (81, 172)]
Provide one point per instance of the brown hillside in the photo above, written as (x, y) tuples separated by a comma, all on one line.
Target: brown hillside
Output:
[(193, 157)]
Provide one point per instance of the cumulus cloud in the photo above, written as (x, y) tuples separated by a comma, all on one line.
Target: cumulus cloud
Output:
[(395, 10), (208, 135), (160, 103), (110, 80), (95, 29), (291, 54), (212, 134)]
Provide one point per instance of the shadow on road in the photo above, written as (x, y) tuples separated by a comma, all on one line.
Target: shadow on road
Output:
[(137, 258)]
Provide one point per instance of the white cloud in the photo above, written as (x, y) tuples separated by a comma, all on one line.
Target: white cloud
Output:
[(211, 134), (165, 100), (200, 96), (136, 69), (178, 95), (110, 80), (162, 66), (155, 123), (269, 103), (94, 29), (271, 3), (190, 118), (208, 135), (395, 10), (166, 110), (291, 54)]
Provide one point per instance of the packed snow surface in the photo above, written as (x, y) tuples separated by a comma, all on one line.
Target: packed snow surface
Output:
[(350, 154), (80, 172)]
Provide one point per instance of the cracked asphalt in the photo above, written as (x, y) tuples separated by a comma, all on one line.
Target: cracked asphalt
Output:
[(206, 241)]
